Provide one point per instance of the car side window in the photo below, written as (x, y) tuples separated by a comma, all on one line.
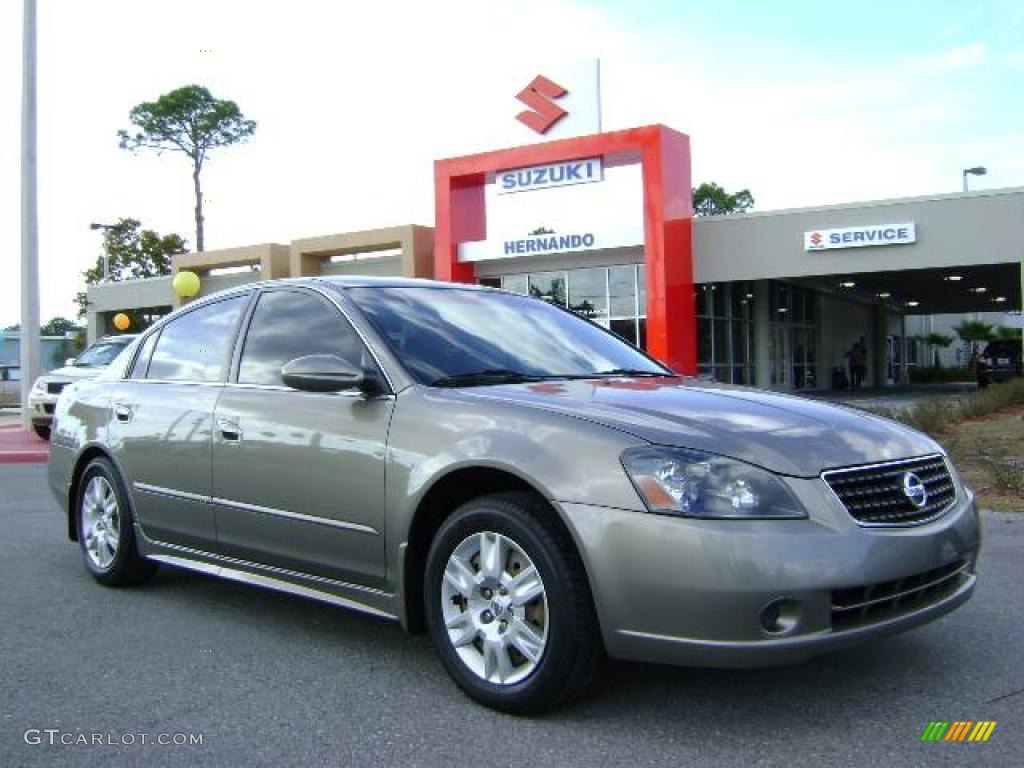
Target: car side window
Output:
[(142, 358), (197, 345), (291, 324)]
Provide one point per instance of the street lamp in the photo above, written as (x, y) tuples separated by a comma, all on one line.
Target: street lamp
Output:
[(978, 170), (106, 255)]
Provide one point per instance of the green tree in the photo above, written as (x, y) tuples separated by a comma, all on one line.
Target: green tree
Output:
[(709, 199), (191, 121), (59, 326), (1005, 333), (973, 332), (132, 253), (937, 341)]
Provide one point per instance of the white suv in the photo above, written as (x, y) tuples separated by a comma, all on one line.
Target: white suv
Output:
[(93, 361)]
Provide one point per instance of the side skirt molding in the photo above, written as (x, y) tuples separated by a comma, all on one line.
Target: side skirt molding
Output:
[(352, 596)]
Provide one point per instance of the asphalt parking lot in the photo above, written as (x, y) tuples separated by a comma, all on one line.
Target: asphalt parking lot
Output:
[(273, 680)]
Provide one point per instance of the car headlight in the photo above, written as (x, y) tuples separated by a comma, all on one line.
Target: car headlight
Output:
[(680, 481), (39, 386)]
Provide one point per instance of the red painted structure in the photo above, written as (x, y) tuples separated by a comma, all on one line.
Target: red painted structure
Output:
[(664, 156)]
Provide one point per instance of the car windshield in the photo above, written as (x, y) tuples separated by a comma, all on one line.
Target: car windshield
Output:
[(100, 353), (450, 337)]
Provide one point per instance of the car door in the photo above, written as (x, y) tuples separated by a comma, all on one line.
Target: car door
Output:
[(298, 477), (162, 423)]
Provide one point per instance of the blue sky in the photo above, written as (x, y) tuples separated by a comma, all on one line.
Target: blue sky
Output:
[(804, 103)]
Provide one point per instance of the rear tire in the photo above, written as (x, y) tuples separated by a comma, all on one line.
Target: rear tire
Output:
[(508, 605), (106, 532)]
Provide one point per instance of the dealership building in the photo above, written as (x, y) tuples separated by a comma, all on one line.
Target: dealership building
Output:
[(602, 223)]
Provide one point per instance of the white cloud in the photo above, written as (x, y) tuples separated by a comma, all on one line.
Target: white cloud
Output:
[(957, 59)]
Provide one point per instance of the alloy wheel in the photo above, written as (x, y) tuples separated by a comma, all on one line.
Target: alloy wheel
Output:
[(495, 608), (101, 522)]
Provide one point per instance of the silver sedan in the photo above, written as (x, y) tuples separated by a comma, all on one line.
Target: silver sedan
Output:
[(514, 480)]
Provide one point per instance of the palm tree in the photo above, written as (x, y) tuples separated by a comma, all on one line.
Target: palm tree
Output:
[(937, 341), (972, 332), (1005, 333)]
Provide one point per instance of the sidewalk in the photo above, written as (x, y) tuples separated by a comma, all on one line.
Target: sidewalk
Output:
[(17, 444)]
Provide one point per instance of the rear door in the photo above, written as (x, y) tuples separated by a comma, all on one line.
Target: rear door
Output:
[(298, 477), (162, 422)]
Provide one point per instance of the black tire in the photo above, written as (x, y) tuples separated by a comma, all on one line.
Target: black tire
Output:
[(573, 651), (42, 431), (126, 567)]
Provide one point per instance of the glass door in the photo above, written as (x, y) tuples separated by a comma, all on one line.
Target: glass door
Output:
[(779, 356)]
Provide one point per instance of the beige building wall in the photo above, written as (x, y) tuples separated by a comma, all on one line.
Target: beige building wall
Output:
[(406, 251)]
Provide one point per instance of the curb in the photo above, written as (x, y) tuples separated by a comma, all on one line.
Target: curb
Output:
[(24, 457)]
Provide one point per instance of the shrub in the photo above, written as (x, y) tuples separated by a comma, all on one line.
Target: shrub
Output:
[(934, 416), (931, 375)]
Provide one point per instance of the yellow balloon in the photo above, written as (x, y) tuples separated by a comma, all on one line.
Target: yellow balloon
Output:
[(185, 284), (122, 321)]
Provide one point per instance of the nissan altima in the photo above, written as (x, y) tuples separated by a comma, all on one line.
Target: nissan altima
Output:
[(516, 481)]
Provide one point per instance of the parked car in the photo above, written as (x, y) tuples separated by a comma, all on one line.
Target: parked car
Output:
[(515, 480), (1000, 361), (91, 363), (10, 385)]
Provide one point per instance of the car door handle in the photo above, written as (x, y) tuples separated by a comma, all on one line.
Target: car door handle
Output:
[(229, 429), (123, 412)]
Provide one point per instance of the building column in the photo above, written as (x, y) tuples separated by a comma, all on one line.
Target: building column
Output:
[(95, 326), (904, 349), (762, 334), (879, 327)]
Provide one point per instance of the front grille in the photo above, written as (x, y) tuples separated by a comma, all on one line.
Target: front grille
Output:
[(56, 387), (876, 495), (856, 606)]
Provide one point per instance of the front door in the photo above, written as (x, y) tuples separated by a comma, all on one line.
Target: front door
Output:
[(298, 477)]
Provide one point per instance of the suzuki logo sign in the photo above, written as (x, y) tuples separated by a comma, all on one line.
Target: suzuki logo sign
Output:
[(540, 97)]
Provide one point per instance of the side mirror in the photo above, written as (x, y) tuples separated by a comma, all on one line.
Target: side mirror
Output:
[(69, 362), (321, 373)]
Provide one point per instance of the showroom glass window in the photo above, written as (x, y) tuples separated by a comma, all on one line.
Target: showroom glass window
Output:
[(725, 330), (613, 297), (291, 324), (196, 346)]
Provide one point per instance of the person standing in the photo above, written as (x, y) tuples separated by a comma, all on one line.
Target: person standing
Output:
[(859, 363)]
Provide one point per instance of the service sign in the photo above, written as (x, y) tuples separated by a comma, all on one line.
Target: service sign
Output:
[(859, 237), (552, 175)]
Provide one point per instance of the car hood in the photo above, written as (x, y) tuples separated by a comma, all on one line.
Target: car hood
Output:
[(789, 435), (73, 373)]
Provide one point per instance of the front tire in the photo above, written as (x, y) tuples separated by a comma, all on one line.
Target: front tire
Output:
[(508, 605), (42, 431), (105, 531)]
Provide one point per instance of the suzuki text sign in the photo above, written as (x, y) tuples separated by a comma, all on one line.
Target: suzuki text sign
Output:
[(551, 175), (858, 237)]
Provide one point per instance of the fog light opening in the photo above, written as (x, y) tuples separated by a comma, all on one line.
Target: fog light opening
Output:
[(781, 617)]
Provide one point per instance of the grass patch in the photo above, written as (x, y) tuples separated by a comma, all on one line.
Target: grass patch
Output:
[(937, 417)]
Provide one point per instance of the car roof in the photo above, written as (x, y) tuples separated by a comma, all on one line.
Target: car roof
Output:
[(370, 281)]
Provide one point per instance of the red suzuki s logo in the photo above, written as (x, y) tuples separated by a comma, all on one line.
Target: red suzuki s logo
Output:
[(539, 96)]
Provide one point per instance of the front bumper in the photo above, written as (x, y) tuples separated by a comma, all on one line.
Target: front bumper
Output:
[(695, 592), (41, 408)]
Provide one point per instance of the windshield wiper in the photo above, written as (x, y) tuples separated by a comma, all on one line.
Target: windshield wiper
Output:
[(485, 377), (630, 372)]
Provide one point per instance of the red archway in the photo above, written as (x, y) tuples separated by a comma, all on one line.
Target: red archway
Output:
[(664, 156)]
